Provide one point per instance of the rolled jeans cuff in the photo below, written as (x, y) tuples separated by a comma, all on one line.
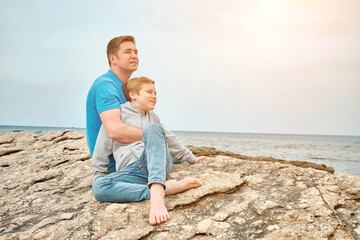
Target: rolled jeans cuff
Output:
[(156, 180)]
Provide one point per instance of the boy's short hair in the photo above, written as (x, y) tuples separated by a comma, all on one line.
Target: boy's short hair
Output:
[(135, 85), (114, 45)]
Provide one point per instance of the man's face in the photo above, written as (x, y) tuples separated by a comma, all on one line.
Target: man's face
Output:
[(127, 59), (146, 99)]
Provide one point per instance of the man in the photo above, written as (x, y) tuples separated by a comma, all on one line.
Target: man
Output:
[(106, 95)]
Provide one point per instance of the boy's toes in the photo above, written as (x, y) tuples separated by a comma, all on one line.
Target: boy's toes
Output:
[(196, 182), (152, 220)]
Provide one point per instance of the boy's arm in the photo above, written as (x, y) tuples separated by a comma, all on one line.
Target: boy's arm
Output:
[(102, 150), (117, 130), (177, 149)]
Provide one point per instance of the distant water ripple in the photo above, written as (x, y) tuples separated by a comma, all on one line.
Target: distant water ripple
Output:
[(340, 152)]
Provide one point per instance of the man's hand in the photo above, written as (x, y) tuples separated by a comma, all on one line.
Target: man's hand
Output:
[(199, 159)]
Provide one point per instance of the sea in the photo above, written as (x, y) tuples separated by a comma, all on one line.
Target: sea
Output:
[(340, 152)]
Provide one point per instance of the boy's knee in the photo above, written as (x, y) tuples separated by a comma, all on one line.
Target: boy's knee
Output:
[(153, 128)]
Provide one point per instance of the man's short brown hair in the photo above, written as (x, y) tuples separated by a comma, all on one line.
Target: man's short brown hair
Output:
[(114, 45), (135, 85)]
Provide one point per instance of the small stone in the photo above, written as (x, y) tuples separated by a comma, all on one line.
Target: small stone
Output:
[(288, 182), (257, 223), (273, 227), (301, 185), (261, 206), (239, 220), (220, 216)]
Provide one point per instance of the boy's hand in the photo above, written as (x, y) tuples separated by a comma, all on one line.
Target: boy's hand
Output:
[(199, 159)]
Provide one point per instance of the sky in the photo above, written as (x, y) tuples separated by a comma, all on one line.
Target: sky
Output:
[(260, 66)]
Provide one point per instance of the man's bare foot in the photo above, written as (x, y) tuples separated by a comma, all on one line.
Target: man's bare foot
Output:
[(158, 211), (173, 186)]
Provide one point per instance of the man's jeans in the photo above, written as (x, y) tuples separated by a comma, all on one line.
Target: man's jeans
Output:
[(130, 184)]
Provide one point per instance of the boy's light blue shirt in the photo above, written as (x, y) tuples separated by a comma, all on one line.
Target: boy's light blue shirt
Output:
[(106, 93)]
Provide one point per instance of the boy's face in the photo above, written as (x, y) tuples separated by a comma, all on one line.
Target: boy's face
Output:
[(146, 99)]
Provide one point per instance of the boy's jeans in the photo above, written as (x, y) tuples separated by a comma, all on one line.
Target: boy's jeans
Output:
[(130, 184)]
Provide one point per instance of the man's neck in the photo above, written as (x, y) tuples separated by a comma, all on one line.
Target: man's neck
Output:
[(123, 76)]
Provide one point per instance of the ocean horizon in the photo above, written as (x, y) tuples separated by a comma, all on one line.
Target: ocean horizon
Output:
[(33, 129), (338, 151)]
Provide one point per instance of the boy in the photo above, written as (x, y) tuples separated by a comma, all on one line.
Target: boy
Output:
[(141, 167)]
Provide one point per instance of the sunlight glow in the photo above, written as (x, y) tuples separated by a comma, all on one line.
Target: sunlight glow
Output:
[(271, 7)]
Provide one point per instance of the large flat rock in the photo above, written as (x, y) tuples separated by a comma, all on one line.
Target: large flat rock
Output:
[(46, 194)]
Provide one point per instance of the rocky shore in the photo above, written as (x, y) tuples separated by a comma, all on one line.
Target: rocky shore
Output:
[(45, 193)]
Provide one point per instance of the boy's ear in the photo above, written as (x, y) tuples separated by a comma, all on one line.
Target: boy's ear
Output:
[(132, 95)]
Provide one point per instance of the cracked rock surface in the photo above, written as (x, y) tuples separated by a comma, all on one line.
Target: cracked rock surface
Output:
[(45, 193)]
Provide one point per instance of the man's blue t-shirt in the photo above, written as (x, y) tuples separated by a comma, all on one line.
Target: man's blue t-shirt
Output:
[(106, 93)]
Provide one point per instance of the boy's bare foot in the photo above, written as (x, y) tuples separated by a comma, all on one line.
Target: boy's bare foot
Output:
[(158, 211), (174, 186)]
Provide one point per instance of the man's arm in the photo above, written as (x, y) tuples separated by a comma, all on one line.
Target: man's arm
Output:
[(117, 130)]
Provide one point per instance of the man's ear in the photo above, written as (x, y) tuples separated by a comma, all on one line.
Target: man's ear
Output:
[(132, 95), (112, 58)]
